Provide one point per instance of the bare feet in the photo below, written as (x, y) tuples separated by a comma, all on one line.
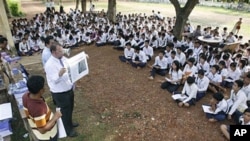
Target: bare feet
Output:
[(150, 77)]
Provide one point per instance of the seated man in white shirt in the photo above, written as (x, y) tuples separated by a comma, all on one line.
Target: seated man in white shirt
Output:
[(219, 108), (160, 66), (202, 82), (24, 48), (119, 44), (189, 90), (148, 50), (128, 54), (139, 59), (238, 101), (246, 88), (233, 74)]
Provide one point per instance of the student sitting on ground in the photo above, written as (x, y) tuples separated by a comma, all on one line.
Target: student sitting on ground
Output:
[(160, 66), (190, 91), (148, 50), (189, 70), (238, 100), (233, 74), (172, 82), (243, 120), (139, 59), (214, 79), (246, 88), (128, 54), (24, 48), (119, 44), (218, 107), (202, 83)]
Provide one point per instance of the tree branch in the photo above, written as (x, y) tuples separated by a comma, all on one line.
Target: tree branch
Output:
[(189, 6), (176, 5)]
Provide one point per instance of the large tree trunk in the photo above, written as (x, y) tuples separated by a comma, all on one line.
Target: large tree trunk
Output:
[(112, 10), (77, 3), (84, 5), (182, 14), (7, 8)]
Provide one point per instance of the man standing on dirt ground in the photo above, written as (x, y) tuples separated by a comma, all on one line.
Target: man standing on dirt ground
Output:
[(61, 87), (237, 26)]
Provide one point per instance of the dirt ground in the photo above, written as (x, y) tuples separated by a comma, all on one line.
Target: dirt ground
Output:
[(116, 102)]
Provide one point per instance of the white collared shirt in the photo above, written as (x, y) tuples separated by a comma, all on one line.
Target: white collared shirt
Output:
[(246, 90), (57, 84), (202, 84), (221, 106), (176, 75), (142, 56), (190, 90), (239, 101), (163, 63), (214, 77), (182, 58), (129, 53), (148, 51)]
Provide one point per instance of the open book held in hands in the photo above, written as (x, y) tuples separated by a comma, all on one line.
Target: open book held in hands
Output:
[(207, 108), (179, 97)]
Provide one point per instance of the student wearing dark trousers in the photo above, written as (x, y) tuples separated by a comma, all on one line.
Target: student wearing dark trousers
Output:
[(160, 66)]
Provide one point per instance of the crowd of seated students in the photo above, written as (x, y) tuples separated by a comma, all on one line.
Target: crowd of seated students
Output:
[(197, 66)]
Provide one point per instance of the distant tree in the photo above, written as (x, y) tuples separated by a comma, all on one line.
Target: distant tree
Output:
[(182, 14), (84, 5), (112, 10)]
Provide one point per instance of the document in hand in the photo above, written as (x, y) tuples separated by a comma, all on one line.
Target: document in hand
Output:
[(206, 109), (77, 66), (179, 97), (229, 80)]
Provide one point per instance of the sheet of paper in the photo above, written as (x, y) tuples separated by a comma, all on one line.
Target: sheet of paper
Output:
[(5, 111), (206, 109), (61, 129), (179, 97), (77, 67)]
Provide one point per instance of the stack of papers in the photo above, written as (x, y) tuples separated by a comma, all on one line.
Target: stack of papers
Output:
[(5, 116), (179, 97)]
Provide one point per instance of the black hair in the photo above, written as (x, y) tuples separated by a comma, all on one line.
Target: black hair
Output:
[(218, 96), (47, 40), (247, 110), (223, 63), (201, 72), (192, 60), (190, 80), (216, 67), (35, 83), (239, 82)]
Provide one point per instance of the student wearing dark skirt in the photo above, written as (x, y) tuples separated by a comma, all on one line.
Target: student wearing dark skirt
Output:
[(172, 83)]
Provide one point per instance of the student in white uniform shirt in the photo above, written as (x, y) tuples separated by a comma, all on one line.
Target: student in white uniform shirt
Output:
[(168, 50), (139, 59), (128, 54), (24, 48), (219, 108), (190, 90), (202, 82), (215, 79), (189, 70), (203, 64), (160, 66), (233, 74), (243, 120), (238, 100), (223, 71), (148, 50), (246, 88), (172, 58), (181, 56), (173, 80), (119, 44)]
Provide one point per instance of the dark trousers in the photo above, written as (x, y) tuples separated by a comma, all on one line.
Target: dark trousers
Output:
[(161, 72), (169, 86), (141, 64), (219, 116), (65, 101), (124, 59), (200, 95), (100, 44)]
